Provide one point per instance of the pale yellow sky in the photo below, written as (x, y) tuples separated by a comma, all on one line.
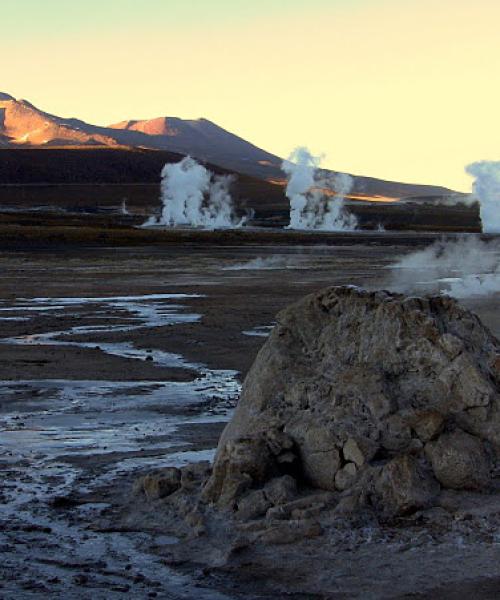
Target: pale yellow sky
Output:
[(399, 89)]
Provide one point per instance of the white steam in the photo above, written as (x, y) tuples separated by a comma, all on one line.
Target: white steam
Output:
[(268, 263), (462, 268), (123, 209), (486, 188), (316, 198), (193, 196)]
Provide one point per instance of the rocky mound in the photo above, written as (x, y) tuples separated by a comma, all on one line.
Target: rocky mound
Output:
[(380, 400), (362, 456)]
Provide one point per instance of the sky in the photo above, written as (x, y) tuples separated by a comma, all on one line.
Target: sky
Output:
[(407, 90)]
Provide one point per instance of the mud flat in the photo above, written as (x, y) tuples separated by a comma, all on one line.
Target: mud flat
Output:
[(115, 361)]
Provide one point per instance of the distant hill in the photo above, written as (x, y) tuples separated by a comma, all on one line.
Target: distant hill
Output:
[(89, 176), (88, 164), (203, 139), (24, 125), (99, 179)]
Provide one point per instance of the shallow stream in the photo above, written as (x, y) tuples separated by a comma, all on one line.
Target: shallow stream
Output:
[(65, 436)]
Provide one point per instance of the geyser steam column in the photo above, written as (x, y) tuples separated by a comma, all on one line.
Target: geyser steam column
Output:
[(193, 196), (316, 199), (486, 188)]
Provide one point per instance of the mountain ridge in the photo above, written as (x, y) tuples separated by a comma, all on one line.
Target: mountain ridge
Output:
[(24, 125)]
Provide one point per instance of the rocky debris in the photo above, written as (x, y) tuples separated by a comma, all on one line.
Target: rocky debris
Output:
[(160, 484), (164, 482), (290, 531), (246, 461), (382, 400), (193, 475)]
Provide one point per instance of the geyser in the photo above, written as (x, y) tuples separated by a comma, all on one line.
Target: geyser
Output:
[(193, 196), (486, 188), (316, 198)]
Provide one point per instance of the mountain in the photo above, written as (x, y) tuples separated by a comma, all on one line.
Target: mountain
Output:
[(24, 125), (21, 123), (203, 139)]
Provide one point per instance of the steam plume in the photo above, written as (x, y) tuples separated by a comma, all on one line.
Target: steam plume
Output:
[(316, 199), (193, 196), (268, 263), (461, 268), (486, 188), (123, 209)]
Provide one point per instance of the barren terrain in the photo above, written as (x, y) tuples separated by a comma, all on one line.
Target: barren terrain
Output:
[(116, 360)]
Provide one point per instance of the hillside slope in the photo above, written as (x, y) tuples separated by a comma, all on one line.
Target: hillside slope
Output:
[(24, 125)]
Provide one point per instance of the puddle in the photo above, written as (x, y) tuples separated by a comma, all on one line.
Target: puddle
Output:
[(54, 417), (259, 331), (150, 310)]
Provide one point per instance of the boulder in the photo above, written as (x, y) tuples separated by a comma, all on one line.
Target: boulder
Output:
[(427, 425), (345, 476), (253, 505), (318, 452), (160, 484), (359, 390), (404, 486), (192, 475), (241, 463), (353, 453), (460, 461), (280, 490)]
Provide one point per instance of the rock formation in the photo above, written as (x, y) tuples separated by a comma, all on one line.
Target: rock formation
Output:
[(369, 400), (363, 452)]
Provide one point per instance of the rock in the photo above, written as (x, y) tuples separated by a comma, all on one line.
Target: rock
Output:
[(352, 452), (349, 504), (452, 345), (280, 490), (241, 463), (403, 486), (348, 389), (193, 475), (459, 461), (161, 484), (278, 442), (253, 505), (277, 513), (345, 477), (310, 502), (319, 455), (428, 425), (282, 447), (396, 434), (299, 514), (195, 519), (436, 516), (415, 446), (233, 488)]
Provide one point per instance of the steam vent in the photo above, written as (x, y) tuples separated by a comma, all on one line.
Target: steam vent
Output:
[(382, 401)]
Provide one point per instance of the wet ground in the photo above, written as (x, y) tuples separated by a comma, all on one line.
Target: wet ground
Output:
[(116, 361)]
